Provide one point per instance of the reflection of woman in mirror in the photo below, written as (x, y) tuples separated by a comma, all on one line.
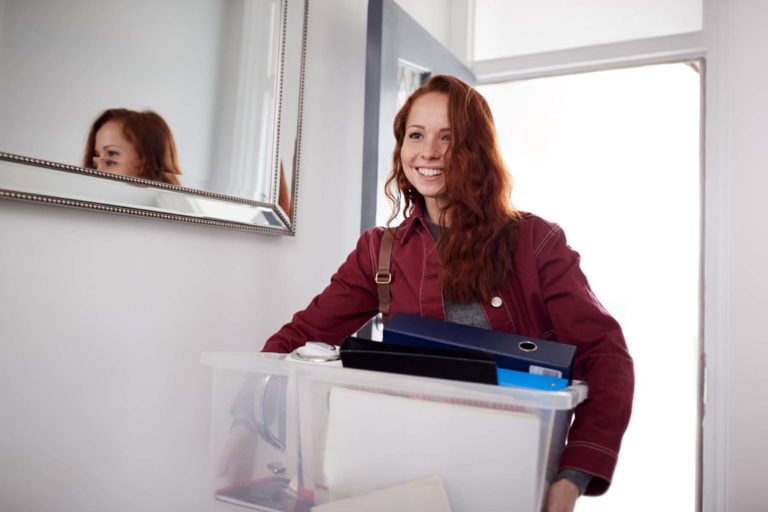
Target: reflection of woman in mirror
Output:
[(130, 143), (283, 192), (283, 195)]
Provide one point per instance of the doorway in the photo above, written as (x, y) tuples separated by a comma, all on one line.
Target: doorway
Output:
[(614, 158)]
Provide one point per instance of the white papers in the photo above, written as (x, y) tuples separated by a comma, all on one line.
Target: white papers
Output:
[(426, 495), (487, 458)]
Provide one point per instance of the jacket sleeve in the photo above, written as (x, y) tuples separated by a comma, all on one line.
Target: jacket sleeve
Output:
[(602, 361), (346, 304)]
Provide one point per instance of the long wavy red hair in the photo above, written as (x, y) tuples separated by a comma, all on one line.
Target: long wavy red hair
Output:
[(476, 252)]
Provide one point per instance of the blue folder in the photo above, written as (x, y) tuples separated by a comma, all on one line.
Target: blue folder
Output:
[(518, 379), (541, 358)]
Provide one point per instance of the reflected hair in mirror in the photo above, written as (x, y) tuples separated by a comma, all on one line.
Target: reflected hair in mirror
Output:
[(151, 138)]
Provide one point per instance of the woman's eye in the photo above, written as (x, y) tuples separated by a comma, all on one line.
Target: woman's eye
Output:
[(110, 163), (446, 138), (414, 135), (113, 153)]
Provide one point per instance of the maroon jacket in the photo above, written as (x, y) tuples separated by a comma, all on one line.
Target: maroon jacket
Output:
[(547, 297)]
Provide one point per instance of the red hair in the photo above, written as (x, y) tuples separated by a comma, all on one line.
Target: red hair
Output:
[(476, 252), (151, 138)]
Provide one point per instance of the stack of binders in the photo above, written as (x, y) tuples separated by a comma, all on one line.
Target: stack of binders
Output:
[(416, 345)]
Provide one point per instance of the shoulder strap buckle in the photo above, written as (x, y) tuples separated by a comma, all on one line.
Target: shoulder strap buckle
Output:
[(383, 276)]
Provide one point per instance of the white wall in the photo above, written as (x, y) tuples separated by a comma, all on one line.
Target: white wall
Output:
[(524, 27), (737, 124), (63, 62), (446, 20), (103, 401)]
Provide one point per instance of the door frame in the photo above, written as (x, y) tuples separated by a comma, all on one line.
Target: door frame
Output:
[(393, 36)]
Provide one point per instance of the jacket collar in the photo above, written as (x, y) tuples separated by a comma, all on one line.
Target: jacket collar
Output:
[(416, 217)]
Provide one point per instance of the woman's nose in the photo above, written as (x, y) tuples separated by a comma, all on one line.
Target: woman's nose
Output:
[(100, 163), (432, 150)]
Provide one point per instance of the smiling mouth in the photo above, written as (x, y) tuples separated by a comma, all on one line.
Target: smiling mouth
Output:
[(429, 173)]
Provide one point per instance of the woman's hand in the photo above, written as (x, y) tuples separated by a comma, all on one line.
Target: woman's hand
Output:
[(561, 496)]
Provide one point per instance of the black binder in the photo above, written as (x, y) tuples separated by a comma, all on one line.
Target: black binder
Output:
[(453, 364)]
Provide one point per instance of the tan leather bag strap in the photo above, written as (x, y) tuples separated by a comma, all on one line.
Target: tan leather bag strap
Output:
[(383, 275)]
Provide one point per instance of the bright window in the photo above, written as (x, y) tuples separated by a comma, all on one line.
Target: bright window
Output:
[(613, 157)]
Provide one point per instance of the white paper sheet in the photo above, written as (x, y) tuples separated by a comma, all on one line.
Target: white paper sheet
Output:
[(425, 495), (487, 458)]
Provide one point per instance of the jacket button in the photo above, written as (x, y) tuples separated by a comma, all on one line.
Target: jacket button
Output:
[(496, 302)]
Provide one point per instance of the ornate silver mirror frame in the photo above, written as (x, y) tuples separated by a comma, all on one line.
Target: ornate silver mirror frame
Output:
[(247, 186)]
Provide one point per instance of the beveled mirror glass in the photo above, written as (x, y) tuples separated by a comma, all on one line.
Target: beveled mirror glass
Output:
[(225, 75)]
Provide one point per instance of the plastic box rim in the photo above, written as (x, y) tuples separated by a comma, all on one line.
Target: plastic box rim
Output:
[(276, 364)]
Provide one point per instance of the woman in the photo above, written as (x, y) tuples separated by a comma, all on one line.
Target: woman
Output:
[(130, 143), (465, 255)]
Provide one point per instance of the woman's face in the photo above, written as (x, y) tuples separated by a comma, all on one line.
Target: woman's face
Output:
[(114, 153), (426, 141)]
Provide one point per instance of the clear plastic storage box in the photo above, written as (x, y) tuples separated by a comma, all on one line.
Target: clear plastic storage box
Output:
[(288, 436)]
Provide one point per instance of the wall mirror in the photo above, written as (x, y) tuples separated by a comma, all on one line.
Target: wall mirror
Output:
[(225, 75)]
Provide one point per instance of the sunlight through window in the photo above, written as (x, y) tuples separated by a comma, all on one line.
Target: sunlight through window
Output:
[(613, 157)]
